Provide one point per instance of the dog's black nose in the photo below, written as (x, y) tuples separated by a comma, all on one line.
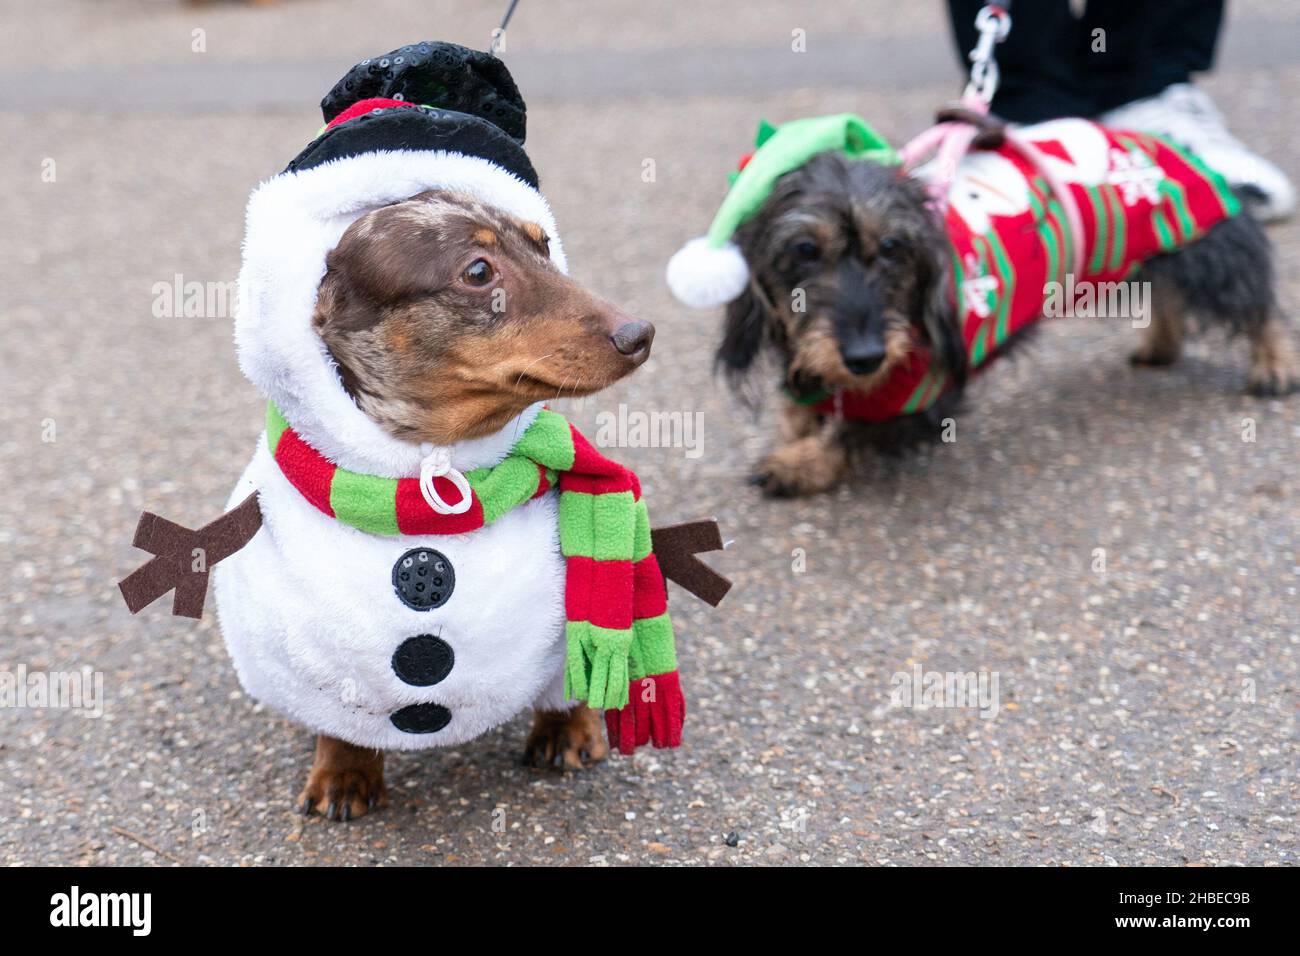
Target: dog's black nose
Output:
[(633, 337), (865, 360)]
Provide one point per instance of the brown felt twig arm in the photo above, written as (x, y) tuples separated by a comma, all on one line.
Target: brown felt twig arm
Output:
[(183, 557), (676, 545)]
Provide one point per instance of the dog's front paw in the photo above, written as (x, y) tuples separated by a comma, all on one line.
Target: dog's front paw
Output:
[(808, 466), (568, 739), (345, 782)]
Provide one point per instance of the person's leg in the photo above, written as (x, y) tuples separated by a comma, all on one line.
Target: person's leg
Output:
[(1038, 76), (1142, 77), (1132, 49)]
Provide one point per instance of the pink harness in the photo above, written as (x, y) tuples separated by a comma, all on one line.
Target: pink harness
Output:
[(950, 140)]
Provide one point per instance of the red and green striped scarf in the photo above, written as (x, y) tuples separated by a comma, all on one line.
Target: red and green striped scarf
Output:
[(620, 653)]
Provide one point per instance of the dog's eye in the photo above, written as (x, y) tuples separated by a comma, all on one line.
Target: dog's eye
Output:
[(805, 250), (891, 246), (478, 273)]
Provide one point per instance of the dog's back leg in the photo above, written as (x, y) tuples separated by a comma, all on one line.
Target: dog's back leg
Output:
[(1272, 360), (1162, 341), (1225, 279)]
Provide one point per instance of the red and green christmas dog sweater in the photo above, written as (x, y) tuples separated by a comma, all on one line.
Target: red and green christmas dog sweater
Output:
[(1138, 196)]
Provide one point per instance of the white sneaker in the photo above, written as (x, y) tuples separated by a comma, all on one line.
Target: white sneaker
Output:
[(1188, 116)]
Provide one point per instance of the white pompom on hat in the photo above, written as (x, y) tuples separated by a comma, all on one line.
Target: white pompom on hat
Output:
[(702, 277)]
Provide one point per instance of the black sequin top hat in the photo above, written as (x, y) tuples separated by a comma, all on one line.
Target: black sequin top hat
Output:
[(427, 96)]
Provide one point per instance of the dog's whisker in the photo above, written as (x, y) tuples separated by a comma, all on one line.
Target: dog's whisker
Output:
[(559, 390), (524, 370)]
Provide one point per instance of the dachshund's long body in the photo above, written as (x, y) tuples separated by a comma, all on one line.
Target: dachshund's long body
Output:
[(406, 310), (853, 292)]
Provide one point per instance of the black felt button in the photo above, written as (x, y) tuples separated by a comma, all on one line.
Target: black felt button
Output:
[(424, 579), (423, 660), (421, 718)]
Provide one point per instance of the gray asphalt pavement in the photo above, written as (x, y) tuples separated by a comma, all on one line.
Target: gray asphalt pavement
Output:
[(1147, 711)]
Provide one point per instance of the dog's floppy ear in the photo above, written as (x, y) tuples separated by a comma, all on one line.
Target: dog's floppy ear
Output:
[(939, 319), (743, 333)]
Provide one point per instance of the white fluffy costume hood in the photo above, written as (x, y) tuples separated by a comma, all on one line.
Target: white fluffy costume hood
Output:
[(308, 608), (378, 149)]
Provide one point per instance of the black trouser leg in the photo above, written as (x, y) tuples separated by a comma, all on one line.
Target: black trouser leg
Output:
[(1053, 64), (1144, 46)]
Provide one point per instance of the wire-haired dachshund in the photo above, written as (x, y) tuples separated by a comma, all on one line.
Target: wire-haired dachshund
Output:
[(851, 270)]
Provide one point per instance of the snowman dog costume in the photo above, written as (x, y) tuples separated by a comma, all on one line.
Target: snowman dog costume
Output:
[(419, 549), (879, 287)]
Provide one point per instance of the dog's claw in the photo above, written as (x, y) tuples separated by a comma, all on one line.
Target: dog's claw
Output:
[(1270, 387), (1152, 359), (770, 485)]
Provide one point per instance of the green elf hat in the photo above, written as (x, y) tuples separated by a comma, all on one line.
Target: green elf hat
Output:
[(710, 271)]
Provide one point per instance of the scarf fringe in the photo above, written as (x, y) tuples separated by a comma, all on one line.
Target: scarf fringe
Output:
[(655, 713)]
